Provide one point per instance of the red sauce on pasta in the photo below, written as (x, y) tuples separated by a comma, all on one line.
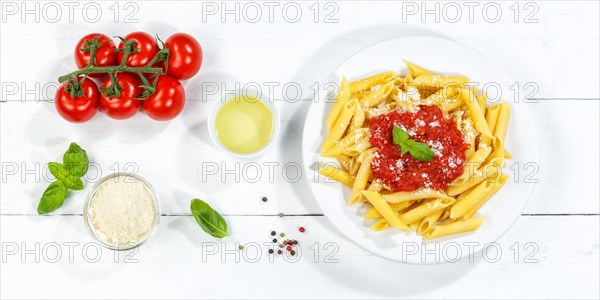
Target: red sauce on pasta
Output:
[(426, 125)]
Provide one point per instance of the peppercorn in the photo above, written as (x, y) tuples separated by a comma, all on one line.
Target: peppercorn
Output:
[(241, 247), (264, 199), (279, 252), (289, 248), (301, 229), (280, 246), (293, 252), (274, 240), (285, 242), (273, 233), (270, 251), (282, 234)]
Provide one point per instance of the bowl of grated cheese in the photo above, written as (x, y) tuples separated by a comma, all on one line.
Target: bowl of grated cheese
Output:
[(121, 211)]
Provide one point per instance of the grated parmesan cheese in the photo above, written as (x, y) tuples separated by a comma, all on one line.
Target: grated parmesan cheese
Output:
[(123, 210)]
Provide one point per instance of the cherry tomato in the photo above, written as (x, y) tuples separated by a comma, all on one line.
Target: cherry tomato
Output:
[(186, 56), (105, 55), (77, 109), (124, 106), (147, 49), (168, 100)]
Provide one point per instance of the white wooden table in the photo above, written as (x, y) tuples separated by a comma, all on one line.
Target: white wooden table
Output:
[(551, 48)]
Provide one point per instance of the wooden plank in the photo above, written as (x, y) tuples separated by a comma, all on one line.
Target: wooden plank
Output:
[(181, 261), (564, 68), (560, 49), (226, 21), (188, 166)]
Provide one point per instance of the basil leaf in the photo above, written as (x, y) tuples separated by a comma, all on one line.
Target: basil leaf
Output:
[(53, 198), (73, 183), (58, 170), (208, 218), (421, 151), (417, 150), (76, 160), (400, 136)]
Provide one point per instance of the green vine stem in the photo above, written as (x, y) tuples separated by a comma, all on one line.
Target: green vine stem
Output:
[(129, 47), (112, 69)]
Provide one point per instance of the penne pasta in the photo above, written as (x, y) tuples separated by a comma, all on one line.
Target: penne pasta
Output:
[(476, 115), (501, 124), (469, 199), (454, 228), (380, 225), (472, 164), (496, 185), (366, 83), (416, 70), (377, 95), (337, 174), (358, 148), (482, 101), (414, 225), (340, 125), (426, 209), (385, 210), (442, 95), (438, 81), (428, 222), (395, 206), (375, 186), (491, 116), (342, 97), (445, 215), (358, 119), (364, 119), (451, 104), (362, 156), (346, 162), (489, 171), (416, 195), (360, 182), (353, 137), (372, 214)]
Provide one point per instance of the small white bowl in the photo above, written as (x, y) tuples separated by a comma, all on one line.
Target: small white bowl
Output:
[(212, 128), (88, 205)]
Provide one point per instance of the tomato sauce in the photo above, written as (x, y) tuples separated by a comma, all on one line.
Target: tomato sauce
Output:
[(426, 125)]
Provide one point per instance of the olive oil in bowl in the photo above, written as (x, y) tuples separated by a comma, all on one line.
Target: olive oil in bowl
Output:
[(244, 125)]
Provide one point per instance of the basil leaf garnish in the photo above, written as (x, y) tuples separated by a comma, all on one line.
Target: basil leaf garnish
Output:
[(73, 183), (53, 197), (76, 160), (209, 219), (58, 170), (75, 165), (420, 151)]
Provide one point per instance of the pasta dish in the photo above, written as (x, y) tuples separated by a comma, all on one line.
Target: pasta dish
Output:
[(424, 152)]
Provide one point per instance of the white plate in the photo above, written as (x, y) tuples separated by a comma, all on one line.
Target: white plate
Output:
[(446, 57)]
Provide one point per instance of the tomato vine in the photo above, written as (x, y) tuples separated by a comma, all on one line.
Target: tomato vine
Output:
[(129, 46)]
